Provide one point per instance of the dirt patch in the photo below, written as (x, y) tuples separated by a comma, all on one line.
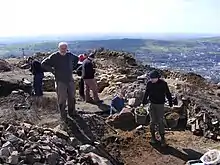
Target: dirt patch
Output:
[(134, 148)]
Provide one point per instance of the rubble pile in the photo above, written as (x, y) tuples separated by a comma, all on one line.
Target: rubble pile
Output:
[(121, 68), (205, 123), (134, 93), (23, 143)]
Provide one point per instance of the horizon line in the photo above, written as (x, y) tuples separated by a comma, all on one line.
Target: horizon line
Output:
[(110, 34)]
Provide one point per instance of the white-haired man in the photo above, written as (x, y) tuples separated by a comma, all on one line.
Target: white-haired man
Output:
[(61, 64)]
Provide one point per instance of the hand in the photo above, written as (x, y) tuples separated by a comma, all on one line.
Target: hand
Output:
[(74, 72), (142, 105)]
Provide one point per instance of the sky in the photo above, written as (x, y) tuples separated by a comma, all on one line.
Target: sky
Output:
[(49, 17)]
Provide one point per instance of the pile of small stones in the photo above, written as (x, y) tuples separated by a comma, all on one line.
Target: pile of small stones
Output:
[(24, 143)]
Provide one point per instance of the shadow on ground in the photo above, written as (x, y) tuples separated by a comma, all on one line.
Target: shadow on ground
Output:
[(80, 130), (186, 155)]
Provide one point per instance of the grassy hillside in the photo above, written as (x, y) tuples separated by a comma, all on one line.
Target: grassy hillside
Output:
[(140, 46)]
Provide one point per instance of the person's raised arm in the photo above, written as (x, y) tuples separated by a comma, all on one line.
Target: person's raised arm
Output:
[(48, 64), (168, 95), (75, 60)]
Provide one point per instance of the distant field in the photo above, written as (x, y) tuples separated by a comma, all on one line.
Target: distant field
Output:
[(201, 56), (141, 46)]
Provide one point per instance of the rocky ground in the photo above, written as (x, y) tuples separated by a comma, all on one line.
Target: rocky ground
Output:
[(30, 129)]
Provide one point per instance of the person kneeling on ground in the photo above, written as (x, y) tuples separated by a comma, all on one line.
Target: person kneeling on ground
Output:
[(118, 106), (38, 73), (88, 75), (117, 103), (156, 90)]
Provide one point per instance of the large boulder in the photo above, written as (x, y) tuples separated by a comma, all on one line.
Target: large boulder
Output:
[(124, 121), (48, 82), (102, 83), (4, 66)]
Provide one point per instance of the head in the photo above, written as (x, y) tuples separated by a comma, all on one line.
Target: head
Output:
[(154, 76), (30, 60), (63, 48), (91, 56), (121, 94), (85, 55)]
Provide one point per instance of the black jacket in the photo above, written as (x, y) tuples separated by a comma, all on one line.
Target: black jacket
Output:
[(79, 70), (36, 68), (157, 93), (61, 66), (88, 71)]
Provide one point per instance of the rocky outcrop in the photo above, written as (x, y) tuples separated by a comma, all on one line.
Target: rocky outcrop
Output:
[(120, 58), (191, 78), (4, 66)]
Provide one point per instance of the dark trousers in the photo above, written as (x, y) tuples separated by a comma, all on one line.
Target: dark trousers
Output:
[(81, 88), (156, 113), (38, 81)]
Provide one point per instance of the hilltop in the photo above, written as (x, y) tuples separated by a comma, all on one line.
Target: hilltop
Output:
[(120, 137)]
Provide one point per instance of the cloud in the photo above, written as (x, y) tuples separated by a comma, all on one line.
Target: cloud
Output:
[(36, 17)]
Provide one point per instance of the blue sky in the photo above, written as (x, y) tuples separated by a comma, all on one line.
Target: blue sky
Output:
[(41, 17)]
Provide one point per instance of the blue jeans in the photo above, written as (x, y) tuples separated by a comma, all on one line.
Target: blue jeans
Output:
[(38, 80)]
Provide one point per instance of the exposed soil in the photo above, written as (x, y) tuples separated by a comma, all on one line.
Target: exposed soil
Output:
[(134, 148)]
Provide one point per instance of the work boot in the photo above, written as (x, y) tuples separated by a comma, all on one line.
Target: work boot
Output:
[(154, 140), (72, 109), (163, 141), (63, 125), (73, 114), (90, 101), (63, 112), (99, 102)]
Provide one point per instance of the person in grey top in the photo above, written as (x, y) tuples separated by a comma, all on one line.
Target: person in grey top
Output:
[(61, 64)]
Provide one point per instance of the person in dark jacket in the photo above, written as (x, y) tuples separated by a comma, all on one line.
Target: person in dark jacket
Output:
[(88, 75), (61, 64), (117, 103), (82, 57), (38, 73), (156, 91)]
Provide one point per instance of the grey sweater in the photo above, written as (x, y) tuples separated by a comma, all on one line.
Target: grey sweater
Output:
[(61, 66)]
